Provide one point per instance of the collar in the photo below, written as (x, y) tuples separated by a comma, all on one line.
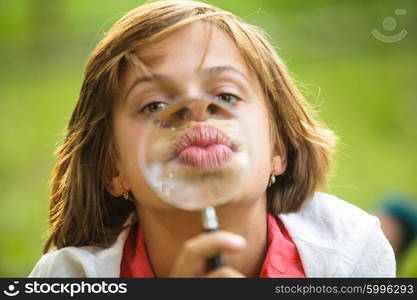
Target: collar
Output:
[(281, 260)]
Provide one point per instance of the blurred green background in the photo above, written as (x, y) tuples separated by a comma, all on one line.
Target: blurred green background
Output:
[(365, 89)]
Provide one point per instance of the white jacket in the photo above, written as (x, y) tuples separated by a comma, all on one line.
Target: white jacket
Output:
[(333, 238)]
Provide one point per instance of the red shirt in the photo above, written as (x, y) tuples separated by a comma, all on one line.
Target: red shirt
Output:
[(281, 260)]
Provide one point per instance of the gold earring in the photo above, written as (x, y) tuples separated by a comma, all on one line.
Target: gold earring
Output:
[(271, 180), (125, 194)]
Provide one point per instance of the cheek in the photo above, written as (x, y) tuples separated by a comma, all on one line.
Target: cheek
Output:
[(134, 138), (260, 162), (129, 137), (257, 128)]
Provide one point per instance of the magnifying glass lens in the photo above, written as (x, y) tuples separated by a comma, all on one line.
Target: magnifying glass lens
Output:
[(194, 154)]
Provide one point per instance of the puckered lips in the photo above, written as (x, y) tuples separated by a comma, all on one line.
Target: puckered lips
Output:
[(204, 147)]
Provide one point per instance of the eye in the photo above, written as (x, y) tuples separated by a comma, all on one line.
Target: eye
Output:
[(228, 98), (153, 107)]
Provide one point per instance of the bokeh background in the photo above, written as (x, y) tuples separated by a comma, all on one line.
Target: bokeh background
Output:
[(364, 88)]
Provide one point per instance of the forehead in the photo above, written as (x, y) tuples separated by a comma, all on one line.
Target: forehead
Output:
[(188, 50)]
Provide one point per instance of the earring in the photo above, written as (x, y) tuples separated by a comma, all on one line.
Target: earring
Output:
[(126, 195), (271, 180)]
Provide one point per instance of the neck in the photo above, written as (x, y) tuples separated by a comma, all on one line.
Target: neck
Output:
[(166, 231)]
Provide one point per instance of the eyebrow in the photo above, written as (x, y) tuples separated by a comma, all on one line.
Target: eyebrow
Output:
[(212, 71)]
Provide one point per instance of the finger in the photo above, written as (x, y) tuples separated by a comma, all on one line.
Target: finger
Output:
[(208, 244), (196, 251), (224, 272)]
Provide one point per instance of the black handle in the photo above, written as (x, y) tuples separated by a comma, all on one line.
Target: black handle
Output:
[(209, 225), (216, 261)]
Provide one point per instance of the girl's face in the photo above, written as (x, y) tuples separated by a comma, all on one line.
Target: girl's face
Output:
[(196, 60)]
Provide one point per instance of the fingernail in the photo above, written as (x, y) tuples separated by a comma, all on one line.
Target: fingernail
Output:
[(237, 241)]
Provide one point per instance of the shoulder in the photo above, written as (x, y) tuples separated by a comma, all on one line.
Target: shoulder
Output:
[(66, 262), (326, 205), (328, 216), (339, 214), (340, 234), (87, 261)]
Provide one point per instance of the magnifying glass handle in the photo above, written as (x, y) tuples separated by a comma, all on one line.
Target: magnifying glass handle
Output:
[(215, 261), (209, 225)]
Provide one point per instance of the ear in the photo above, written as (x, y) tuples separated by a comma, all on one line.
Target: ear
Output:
[(117, 185), (278, 159)]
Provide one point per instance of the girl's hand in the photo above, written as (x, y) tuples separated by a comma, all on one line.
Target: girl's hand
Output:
[(191, 261)]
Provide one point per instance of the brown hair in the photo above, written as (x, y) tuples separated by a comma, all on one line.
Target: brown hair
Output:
[(83, 213)]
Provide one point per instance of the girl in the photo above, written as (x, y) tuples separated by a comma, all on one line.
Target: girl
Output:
[(105, 221)]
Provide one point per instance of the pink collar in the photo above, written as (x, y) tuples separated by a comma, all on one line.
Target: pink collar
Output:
[(281, 260)]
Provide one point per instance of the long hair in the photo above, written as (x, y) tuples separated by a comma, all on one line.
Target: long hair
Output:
[(82, 212)]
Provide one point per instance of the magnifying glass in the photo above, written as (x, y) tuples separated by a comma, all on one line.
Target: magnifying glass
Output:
[(194, 155)]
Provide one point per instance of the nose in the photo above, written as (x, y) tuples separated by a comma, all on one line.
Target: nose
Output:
[(179, 113)]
